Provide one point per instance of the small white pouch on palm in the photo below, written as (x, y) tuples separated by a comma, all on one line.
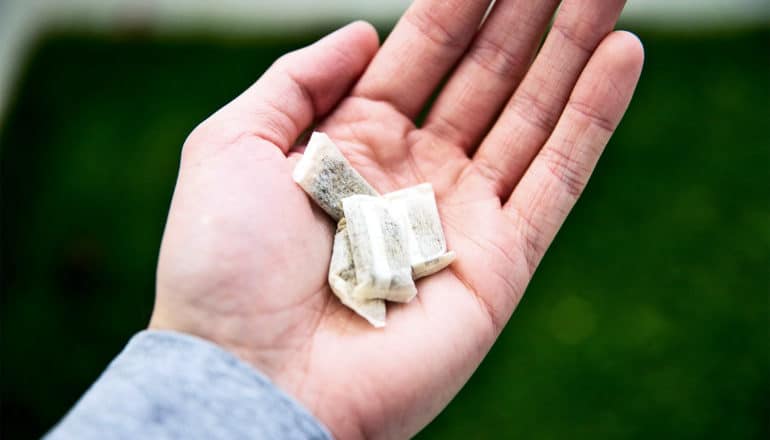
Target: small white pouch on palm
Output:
[(342, 280), (378, 245), (416, 208), (325, 174)]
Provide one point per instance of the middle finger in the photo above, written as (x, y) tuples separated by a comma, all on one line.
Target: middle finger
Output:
[(490, 71)]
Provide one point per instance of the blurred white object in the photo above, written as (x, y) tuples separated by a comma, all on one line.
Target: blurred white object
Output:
[(22, 20)]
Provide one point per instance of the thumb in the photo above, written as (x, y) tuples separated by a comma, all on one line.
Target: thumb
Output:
[(304, 84)]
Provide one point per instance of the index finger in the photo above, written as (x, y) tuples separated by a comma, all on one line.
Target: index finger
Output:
[(426, 42)]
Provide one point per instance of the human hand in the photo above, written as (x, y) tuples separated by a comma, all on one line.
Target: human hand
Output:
[(508, 146)]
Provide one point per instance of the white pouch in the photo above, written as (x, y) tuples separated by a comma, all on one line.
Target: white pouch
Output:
[(325, 174), (378, 246), (342, 280), (416, 208)]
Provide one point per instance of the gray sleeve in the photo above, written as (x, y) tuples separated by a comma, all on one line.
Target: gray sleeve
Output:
[(171, 385)]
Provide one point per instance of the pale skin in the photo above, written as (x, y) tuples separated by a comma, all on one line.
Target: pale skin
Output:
[(508, 144)]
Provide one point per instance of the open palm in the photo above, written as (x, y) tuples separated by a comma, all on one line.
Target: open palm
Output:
[(508, 145)]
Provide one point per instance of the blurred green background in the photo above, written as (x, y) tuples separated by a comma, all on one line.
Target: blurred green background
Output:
[(648, 318)]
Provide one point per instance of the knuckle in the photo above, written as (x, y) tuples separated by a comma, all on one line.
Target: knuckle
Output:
[(496, 58), (569, 172), (535, 110), (579, 37), (427, 23), (594, 116)]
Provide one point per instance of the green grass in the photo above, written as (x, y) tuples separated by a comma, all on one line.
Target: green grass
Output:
[(648, 317)]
